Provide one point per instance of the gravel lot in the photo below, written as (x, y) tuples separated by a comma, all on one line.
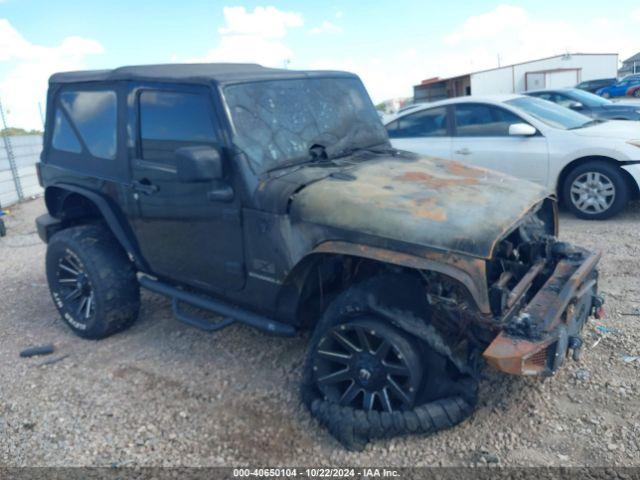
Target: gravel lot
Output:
[(165, 394)]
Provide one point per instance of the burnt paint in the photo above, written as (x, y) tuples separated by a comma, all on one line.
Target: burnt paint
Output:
[(429, 202)]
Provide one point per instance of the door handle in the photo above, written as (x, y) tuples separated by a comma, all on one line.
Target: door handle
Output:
[(463, 151), (144, 186)]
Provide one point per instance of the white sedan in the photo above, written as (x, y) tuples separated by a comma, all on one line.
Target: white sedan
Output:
[(593, 165)]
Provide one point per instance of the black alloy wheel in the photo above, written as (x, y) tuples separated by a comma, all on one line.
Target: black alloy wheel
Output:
[(75, 289), (369, 365)]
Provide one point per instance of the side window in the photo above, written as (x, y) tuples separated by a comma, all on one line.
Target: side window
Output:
[(476, 120), (392, 129), (546, 96), (426, 123), (171, 120), (93, 113), (563, 100), (64, 138)]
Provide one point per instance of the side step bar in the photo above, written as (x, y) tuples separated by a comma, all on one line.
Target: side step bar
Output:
[(231, 313)]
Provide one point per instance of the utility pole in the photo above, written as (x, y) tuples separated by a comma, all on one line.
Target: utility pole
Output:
[(10, 156)]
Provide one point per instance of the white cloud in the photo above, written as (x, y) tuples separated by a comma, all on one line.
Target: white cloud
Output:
[(266, 22), (487, 25), (635, 15), (326, 27), (512, 33), (516, 35), (254, 36), (28, 68)]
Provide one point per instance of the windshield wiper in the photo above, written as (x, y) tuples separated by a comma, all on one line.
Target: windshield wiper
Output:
[(352, 150), (317, 154)]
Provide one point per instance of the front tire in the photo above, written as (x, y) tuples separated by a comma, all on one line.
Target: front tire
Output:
[(92, 282), (595, 191), (409, 389)]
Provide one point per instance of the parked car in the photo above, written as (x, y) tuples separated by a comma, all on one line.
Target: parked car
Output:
[(619, 89), (634, 91), (594, 85), (589, 104), (273, 198), (593, 166)]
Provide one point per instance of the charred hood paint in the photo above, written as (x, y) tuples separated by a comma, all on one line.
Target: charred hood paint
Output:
[(430, 202)]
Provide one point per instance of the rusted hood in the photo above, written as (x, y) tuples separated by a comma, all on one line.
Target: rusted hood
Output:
[(424, 201)]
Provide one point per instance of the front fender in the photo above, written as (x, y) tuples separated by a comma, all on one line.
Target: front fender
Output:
[(470, 272), (633, 169)]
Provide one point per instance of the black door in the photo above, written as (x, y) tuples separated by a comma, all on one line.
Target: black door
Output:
[(184, 233)]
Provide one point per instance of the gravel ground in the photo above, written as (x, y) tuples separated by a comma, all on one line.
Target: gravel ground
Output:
[(166, 394)]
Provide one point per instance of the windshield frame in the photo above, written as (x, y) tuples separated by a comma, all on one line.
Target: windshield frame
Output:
[(304, 157), (572, 120)]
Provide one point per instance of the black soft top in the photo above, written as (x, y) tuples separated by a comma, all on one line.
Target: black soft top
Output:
[(220, 73)]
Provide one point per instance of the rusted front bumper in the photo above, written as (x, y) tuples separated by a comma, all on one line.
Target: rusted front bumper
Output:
[(538, 339)]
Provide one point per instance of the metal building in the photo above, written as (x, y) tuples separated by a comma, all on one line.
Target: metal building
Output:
[(553, 72)]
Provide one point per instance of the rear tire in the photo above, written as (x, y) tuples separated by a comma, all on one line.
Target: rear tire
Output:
[(595, 190), (636, 93), (92, 281)]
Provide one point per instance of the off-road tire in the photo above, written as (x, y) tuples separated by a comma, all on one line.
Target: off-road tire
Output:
[(110, 273), (353, 427), (614, 173)]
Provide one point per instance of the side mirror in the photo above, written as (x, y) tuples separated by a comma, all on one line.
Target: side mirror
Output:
[(575, 105), (198, 164), (521, 130)]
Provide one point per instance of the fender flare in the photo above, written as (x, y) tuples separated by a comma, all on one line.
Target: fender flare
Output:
[(460, 269), (463, 275), (122, 232)]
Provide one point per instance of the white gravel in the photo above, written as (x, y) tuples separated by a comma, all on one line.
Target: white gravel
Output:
[(166, 394)]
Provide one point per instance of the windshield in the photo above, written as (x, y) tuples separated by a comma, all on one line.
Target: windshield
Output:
[(276, 122), (588, 99), (550, 113)]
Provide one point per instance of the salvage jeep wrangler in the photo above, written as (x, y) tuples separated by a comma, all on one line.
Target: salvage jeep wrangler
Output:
[(273, 198)]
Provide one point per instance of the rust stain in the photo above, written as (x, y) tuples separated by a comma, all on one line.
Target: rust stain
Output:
[(462, 170), (428, 208), (435, 182), (510, 355)]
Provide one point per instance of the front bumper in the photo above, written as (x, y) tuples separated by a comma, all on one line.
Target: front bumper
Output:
[(539, 338)]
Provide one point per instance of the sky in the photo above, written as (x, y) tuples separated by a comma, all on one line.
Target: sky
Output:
[(392, 45)]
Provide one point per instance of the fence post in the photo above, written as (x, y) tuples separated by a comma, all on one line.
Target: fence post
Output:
[(10, 156)]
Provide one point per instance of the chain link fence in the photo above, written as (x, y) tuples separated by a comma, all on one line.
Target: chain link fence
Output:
[(18, 157), (19, 153)]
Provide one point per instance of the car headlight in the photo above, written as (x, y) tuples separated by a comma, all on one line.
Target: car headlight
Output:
[(635, 143)]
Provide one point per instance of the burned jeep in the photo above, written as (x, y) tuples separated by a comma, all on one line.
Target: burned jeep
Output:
[(273, 198)]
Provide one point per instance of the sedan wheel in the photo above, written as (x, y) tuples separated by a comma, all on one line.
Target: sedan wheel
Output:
[(595, 190), (593, 193)]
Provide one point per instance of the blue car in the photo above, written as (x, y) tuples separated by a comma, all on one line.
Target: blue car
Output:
[(619, 89)]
